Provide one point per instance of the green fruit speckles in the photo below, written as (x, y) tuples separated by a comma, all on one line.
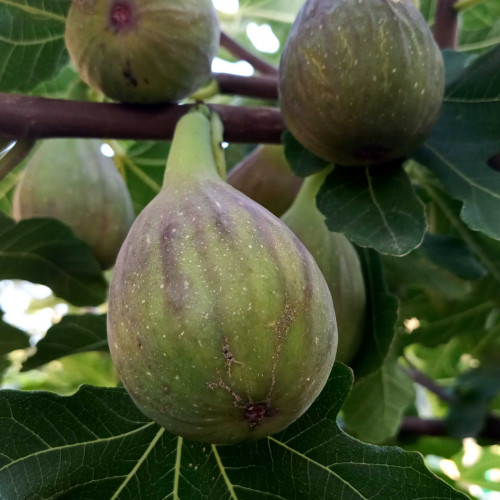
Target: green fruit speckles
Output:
[(361, 81), (70, 180), (143, 51), (338, 261), (220, 324)]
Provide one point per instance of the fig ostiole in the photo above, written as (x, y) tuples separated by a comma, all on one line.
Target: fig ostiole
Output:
[(221, 325), (361, 82), (338, 261), (144, 51), (265, 176), (71, 180)]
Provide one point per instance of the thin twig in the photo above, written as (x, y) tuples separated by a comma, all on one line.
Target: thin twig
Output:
[(433, 427), (415, 426), (425, 381), (264, 87), (446, 25), (27, 117), (239, 51)]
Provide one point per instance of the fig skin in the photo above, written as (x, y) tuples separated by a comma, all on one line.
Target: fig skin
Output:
[(361, 82), (143, 51), (70, 180), (265, 176), (220, 324), (338, 261)]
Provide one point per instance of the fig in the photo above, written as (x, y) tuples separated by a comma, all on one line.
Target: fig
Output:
[(221, 325), (265, 176), (70, 180), (143, 51), (361, 82), (338, 261)]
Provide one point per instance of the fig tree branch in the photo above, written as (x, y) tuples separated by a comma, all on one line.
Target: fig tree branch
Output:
[(415, 426), (27, 117), (425, 381), (446, 25), (239, 51), (491, 428), (264, 87)]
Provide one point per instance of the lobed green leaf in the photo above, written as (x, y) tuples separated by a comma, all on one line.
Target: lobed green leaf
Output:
[(96, 444), (32, 48), (46, 251), (466, 138), (375, 208), (73, 335)]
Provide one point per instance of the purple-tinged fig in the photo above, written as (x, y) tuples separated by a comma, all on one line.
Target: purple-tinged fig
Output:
[(361, 81), (143, 51), (265, 176), (338, 261), (221, 325), (71, 180)]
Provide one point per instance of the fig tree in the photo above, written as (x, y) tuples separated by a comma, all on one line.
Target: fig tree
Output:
[(266, 177), (143, 51), (70, 180), (361, 81), (221, 325), (338, 261)]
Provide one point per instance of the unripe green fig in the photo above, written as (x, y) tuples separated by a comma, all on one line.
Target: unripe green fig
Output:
[(71, 180), (266, 177), (220, 324), (338, 261), (361, 81), (143, 51)]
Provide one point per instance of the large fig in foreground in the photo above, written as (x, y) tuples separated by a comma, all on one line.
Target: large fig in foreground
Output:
[(143, 51), (265, 176), (220, 324), (338, 261), (70, 180), (361, 81)]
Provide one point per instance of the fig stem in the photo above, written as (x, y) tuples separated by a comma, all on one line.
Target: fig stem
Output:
[(308, 192), (217, 139), (210, 90), (465, 4), (191, 152)]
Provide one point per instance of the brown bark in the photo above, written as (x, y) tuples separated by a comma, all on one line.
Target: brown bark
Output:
[(446, 25), (26, 117)]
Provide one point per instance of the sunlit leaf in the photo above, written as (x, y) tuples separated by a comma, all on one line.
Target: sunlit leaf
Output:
[(46, 251), (32, 46), (73, 335)]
